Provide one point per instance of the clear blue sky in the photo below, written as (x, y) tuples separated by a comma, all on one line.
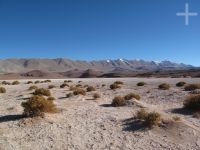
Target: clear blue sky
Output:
[(100, 29)]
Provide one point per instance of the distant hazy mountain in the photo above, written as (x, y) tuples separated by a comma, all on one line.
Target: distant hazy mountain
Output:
[(103, 66)]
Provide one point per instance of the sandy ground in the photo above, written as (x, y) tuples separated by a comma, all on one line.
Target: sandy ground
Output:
[(83, 123)]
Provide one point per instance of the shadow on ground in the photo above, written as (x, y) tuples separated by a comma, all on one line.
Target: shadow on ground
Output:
[(181, 111), (132, 125), (8, 118)]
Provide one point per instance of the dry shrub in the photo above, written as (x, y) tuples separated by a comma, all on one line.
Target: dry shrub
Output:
[(36, 82), (51, 98), (192, 102), (2, 90), (150, 119), (37, 106), (132, 95), (191, 87), (29, 82), (118, 101), (79, 91), (5, 83), (42, 91), (78, 85), (141, 83), (180, 84), (119, 82), (164, 86), (115, 86), (51, 86), (15, 82), (67, 81), (47, 81), (33, 87), (90, 88), (176, 118), (96, 95), (64, 85)]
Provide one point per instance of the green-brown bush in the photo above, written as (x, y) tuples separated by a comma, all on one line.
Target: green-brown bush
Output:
[(192, 102), (115, 86), (5, 83), (64, 85), (42, 92), (90, 88), (2, 90), (191, 87), (132, 95), (47, 81), (119, 82), (15, 82), (79, 91), (180, 84), (33, 87), (51, 86), (37, 106), (96, 95), (141, 83), (29, 82), (164, 86), (36, 82), (118, 101)]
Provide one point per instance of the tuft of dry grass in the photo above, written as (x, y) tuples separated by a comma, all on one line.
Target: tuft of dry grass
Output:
[(37, 106), (119, 82), (51, 86), (141, 83), (51, 98), (33, 87), (90, 88), (36, 82), (79, 91), (176, 118), (96, 95), (29, 82), (192, 102), (180, 84), (64, 85), (2, 90), (5, 83), (47, 81), (115, 86), (164, 86), (191, 87), (118, 101), (15, 82), (132, 95), (42, 92)]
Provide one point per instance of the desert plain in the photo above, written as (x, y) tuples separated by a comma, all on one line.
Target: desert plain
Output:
[(85, 123)]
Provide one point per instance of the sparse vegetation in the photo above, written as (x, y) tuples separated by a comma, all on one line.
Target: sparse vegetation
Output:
[(192, 102), (180, 84), (5, 83), (119, 82), (164, 86), (96, 95), (36, 82), (64, 85), (47, 81), (33, 87), (2, 90), (67, 81), (15, 82), (150, 119), (79, 91), (132, 95), (29, 82), (51, 98), (141, 83), (37, 106), (118, 101), (51, 86), (90, 88), (176, 118), (115, 86), (103, 85), (42, 92), (191, 87)]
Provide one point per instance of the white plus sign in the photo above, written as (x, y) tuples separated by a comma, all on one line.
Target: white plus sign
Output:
[(186, 14)]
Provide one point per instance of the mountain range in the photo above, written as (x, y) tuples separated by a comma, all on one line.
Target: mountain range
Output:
[(61, 67)]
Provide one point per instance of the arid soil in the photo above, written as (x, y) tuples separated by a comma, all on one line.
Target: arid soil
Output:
[(83, 123)]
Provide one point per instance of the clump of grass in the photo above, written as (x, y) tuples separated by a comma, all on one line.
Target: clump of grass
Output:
[(118, 101), (64, 85), (192, 87), (115, 86), (132, 95), (192, 102), (78, 85), (69, 95), (141, 83), (96, 95), (2, 90), (67, 81), (29, 82), (150, 119), (119, 82), (47, 81), (42, 92), (15, 82), (51, 86), (176, 118), (90, 88), (180, 84), (5, 83), (79, 91), (164, 86), (37, 106), (51, 98), (36, 82), (33, 87)]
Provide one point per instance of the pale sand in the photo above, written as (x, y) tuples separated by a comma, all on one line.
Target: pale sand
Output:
[(84, 124)]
